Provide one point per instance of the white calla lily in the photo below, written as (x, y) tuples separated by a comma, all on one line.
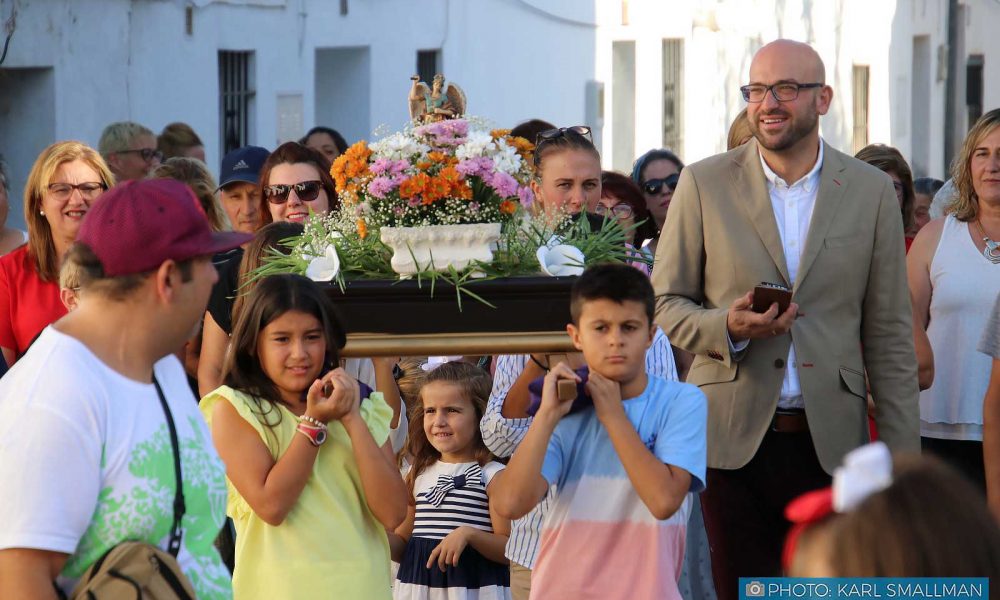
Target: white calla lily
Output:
[(326, 267), (560, 260)]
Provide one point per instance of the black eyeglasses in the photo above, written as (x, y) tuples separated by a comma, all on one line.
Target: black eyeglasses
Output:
[(306, 191), (551, 134), (620, 211), (147, 154), (653, 186), (784, 91)]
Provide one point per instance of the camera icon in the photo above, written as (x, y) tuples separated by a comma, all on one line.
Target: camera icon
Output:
[(754, 589)]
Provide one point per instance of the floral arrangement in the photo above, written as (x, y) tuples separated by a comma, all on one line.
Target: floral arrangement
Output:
[(451, 172)]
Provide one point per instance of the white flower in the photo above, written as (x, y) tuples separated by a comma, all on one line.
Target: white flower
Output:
[(326, 267), (398, 146), (560, 260), (507, 160), (476, 144)]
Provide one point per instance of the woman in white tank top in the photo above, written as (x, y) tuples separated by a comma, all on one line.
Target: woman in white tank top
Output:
[(954, 275)]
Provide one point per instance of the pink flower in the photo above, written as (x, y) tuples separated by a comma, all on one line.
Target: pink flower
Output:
[(525, 195), (443, 134), (380, 166), (504, 185), (397, 168), (380, 186), (475, 167)]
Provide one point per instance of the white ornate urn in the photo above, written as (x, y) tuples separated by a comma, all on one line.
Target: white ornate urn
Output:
[(438, 247)]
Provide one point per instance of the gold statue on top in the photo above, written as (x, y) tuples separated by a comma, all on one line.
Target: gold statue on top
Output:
[(436, 103)]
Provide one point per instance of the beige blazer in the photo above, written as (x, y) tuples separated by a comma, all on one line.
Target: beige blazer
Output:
[(720, 240)]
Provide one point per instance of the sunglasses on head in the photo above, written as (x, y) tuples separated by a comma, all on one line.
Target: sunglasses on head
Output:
[(653, 186), (551, 134), (306, 191)]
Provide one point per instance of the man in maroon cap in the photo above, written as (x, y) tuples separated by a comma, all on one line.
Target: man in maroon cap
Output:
[(86, 457)]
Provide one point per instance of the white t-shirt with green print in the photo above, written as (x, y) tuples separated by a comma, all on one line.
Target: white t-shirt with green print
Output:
[(86, 463)]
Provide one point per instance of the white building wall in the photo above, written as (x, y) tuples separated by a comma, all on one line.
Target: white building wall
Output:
[(720, 37), (116, 60)]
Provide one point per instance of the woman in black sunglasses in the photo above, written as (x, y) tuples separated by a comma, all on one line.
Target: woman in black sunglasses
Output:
[(295, 182), (656, 172)]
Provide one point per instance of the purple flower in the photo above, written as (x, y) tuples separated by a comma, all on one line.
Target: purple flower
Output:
[(414, 201), (380, 166), (525, 195), (475, 167), (397, 167), (380, 186), (473, 207), (444, 134), (504, 185)]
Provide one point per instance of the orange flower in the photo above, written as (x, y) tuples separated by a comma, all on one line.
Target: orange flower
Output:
[(508, 207), (437, 157), (499, 133), (339, 172), (460, 189), (437, 188), (413, 185), (522, 145), (450, 175), (362, 228)]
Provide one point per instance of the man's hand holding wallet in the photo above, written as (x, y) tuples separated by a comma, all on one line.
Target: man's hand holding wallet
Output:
[(763, 312)]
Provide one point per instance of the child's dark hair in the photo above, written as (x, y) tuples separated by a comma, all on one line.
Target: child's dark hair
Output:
[(267, 239), (271, 298), (476, 385), (612, 281)]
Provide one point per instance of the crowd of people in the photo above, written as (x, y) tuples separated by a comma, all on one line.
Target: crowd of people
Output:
[(699, 447)]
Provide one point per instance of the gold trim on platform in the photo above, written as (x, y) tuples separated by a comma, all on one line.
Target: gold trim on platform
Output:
[(451, 344)]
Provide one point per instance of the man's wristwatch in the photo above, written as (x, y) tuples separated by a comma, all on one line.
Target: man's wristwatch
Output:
[(316, 435)]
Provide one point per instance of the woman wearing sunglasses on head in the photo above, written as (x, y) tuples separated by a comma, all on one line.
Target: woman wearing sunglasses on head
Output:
[(294, 183), (567, 171), (657, 172)]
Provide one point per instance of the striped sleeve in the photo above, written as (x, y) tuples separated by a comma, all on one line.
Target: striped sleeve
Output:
[(500, 434), (660, 358)]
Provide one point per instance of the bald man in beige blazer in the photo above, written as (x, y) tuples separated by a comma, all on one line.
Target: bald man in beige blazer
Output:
[(787, 392)]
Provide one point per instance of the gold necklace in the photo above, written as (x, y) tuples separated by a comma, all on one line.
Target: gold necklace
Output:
[(992, 249)]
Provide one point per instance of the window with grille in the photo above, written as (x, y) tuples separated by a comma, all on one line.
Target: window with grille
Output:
[(673, 75), (974, 88), (428, 65), (236, 99), (860, 92)]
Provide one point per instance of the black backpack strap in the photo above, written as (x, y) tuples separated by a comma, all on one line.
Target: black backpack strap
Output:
[(174, 544)]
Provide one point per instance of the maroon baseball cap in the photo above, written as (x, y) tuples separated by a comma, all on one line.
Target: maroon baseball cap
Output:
[(136, 225)]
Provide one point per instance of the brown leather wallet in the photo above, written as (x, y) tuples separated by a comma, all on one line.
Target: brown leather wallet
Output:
[(789, 422)]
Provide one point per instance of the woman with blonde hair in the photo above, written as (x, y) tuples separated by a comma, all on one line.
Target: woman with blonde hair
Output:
[(953, 270), (65, 180), (194, 174)]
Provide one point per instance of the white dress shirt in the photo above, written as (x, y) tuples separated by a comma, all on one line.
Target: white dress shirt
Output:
[(793, 208)]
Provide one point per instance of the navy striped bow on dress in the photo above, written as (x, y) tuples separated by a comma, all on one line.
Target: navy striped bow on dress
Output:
[(446, 483)]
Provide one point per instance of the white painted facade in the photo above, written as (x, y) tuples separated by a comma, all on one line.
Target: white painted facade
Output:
[(904, 43), (76, 65)]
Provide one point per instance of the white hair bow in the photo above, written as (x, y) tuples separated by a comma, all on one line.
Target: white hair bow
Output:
[(434, 362), (866, 470)]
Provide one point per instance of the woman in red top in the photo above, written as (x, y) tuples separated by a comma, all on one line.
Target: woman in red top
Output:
[(66, 179)]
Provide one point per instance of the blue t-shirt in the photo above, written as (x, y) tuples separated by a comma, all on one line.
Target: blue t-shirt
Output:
[(599, 538)]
